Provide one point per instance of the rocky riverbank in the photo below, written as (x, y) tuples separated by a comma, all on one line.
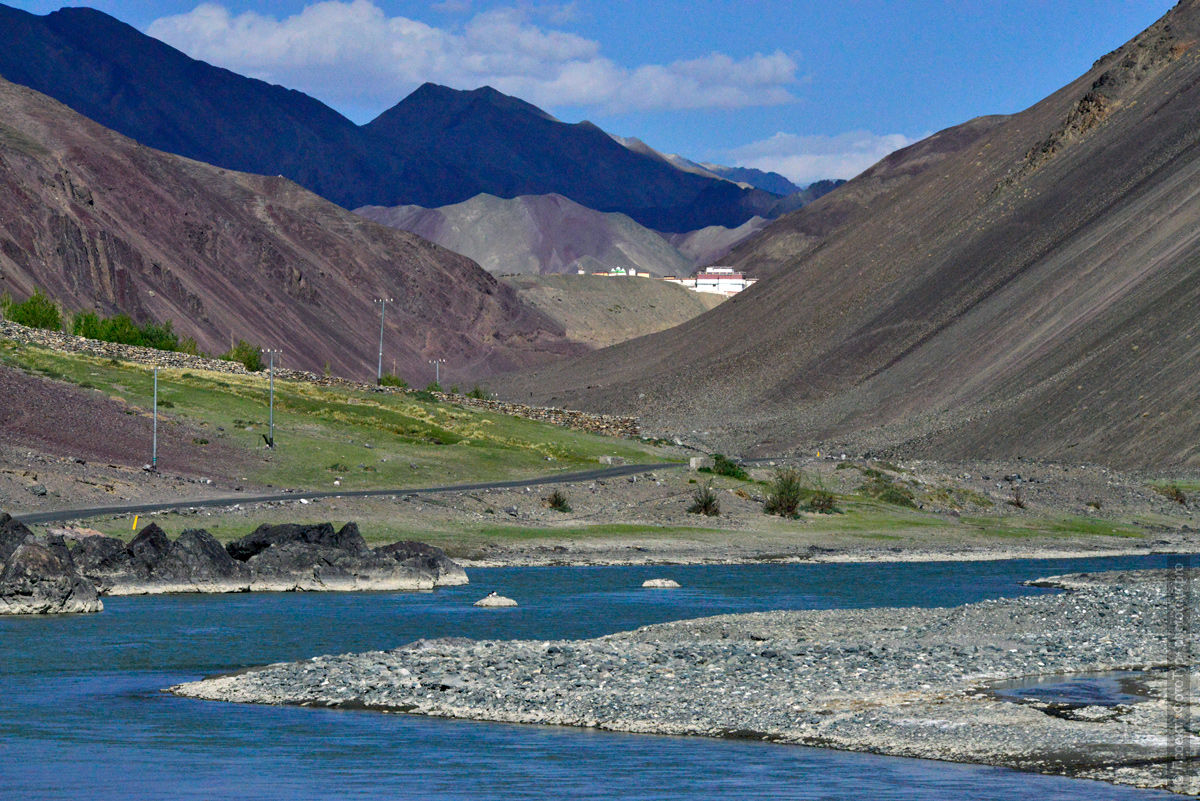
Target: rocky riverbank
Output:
[(907, 682), (57, 573)]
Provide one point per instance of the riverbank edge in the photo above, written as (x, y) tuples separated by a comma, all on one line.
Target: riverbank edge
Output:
[(869, 733)]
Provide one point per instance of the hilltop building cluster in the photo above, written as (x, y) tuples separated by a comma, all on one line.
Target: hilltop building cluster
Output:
[(715, 280)]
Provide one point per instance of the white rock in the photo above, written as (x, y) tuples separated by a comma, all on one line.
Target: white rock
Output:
[(494, 601), (661, 584)]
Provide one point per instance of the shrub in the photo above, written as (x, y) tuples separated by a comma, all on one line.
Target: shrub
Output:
[(36, 311), (249, 355), (479, 393), (557, 501), (1172, 492), (724, 466), (785, 493), (822, 501), (882, 487), (705, 502), (433, 387), (392, 380)]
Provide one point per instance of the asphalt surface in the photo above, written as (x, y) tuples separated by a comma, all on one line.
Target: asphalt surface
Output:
[(62, 515)]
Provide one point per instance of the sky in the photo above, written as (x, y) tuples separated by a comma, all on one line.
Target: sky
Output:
[(808, 88)]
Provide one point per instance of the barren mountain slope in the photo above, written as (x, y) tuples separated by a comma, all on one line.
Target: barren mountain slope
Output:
[(1023, 286), (97, 220), (536, 234), (600, 311)]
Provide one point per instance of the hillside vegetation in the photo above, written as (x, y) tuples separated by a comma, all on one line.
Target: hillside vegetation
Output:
[(360, 439)]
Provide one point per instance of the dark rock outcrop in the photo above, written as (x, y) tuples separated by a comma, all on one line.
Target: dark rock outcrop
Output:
[(347, 538), (197, 562), (421, 556), (92, 552), (41, 579), (12, 533), (146, 549)]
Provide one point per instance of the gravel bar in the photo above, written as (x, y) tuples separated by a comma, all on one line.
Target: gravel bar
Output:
[(906, 682)]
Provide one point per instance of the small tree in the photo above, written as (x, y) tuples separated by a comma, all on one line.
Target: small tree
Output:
[(36, 311), (392, 380), (249, 355)]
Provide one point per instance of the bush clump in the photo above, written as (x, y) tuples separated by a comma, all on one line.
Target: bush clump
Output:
[(36, 311), (557, 501), (122, 330), (478, 393), (1172, 492), (724, 466), (882, 487), (705, 502), (249, 355), (822, 502), (785, 493), (392, 380)]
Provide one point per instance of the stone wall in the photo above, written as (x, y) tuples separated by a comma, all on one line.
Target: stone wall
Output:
[(608, 425)]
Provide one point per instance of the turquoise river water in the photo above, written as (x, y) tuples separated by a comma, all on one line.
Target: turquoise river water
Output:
[(82, 714)]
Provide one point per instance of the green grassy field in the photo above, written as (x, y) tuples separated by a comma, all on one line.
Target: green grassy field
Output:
[(361, 439)]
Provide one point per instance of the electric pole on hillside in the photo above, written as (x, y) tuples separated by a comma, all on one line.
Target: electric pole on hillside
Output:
[(270, 438), (154, 439), (383, 302), (437, 372)]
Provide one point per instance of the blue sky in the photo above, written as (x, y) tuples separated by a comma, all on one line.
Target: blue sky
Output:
[(810, 89)]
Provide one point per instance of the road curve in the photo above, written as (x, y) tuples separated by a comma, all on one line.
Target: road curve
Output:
[(63, 515)]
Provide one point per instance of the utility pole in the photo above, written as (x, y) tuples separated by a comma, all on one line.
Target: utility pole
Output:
[(437, 372), (154, 440), (383, 302), (271, 403)]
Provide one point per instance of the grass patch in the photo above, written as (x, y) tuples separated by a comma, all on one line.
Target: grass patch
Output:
[(407, 440)]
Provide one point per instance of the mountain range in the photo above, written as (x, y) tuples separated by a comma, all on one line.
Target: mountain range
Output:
[(99, 221), (547, 234), (436, 147), (1023, 286)]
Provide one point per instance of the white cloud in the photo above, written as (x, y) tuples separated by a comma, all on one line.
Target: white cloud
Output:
[(349, 53), (804, 159)]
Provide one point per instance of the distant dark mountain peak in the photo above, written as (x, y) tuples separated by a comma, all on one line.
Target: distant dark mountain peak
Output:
[(435, 147)]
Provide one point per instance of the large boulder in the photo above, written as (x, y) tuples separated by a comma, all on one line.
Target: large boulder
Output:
[(146, 549), (347, 538), (446, 572), (39, 580), (196, 562), (12, 533), (92, 552)]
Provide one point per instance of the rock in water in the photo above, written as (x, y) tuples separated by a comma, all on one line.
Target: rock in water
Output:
[(12, 533), (494, 601), (38, 580), (446, 571), (661, 584)]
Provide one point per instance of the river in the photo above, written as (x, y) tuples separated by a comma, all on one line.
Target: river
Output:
[(82, 713)]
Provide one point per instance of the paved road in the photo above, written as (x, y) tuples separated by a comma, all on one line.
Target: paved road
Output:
[(62, 515)]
